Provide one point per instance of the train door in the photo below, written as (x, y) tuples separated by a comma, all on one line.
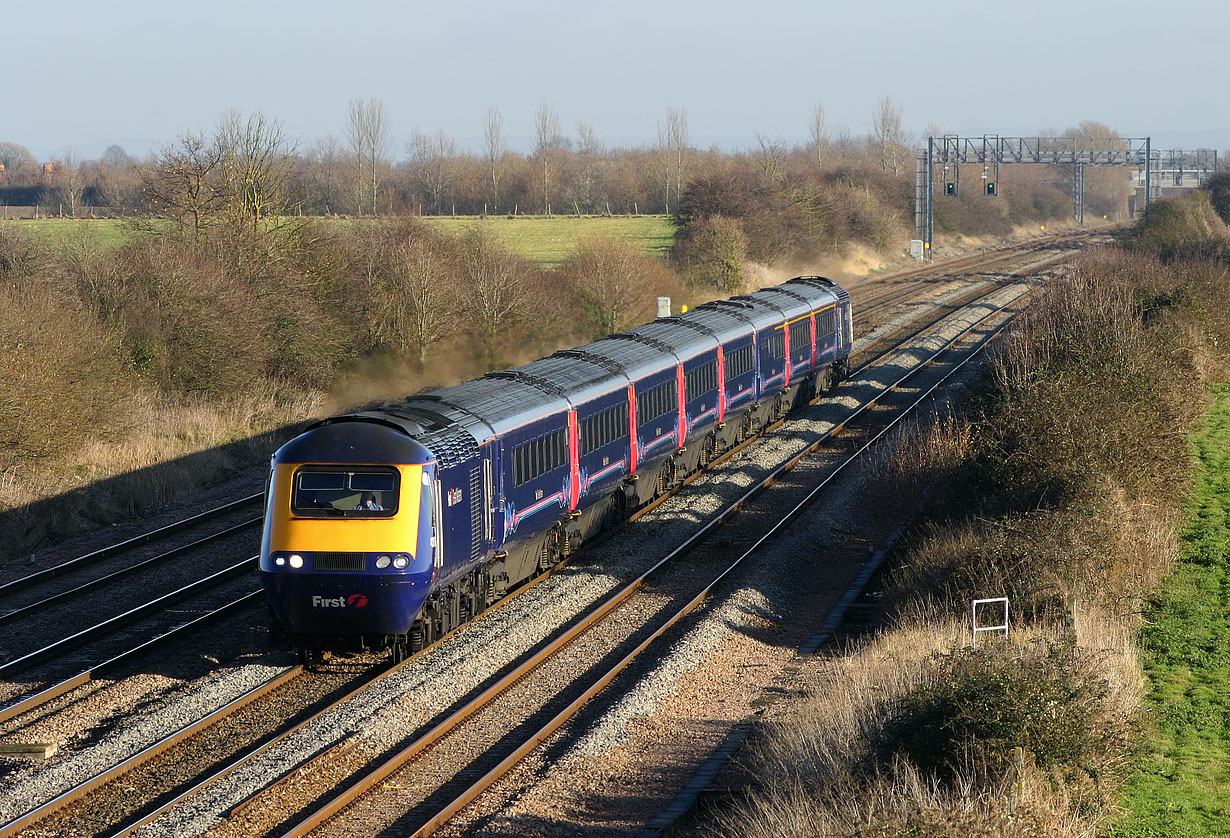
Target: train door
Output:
[(757, 385), (845, 328), (492, 503)]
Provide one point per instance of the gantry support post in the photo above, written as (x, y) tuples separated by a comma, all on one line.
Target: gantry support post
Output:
[(1078, 192), (1148, 173)]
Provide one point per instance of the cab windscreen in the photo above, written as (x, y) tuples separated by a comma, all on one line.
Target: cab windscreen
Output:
[(321, 491)]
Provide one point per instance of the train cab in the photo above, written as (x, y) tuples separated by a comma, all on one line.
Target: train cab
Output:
[(348, 546)]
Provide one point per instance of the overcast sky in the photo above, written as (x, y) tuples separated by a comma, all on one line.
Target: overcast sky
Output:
[(137, 73)]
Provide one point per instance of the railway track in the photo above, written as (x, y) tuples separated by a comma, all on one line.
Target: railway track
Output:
[(116, 553), (450, 763), (61, 609), (317, 769), (11, 828)]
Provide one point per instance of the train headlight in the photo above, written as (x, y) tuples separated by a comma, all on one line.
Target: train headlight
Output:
[(400, 562), (280, 561), (296, 561), (383, 562)]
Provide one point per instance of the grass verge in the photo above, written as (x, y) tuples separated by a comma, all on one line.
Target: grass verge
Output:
[(1180, 785), (1062, 487)]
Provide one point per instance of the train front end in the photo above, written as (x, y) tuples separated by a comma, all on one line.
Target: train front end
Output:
[(347, 556)]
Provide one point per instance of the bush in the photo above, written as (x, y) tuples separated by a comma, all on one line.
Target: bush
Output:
[(187, 325), (781, 220), (1218, 189), (1048, 699), (864, 216), (20, 254), (715, 253), (1183, 228), (61, 376), (1053, 404), (612, 285)]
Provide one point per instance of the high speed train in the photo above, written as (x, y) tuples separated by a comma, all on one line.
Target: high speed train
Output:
[(388, 527)]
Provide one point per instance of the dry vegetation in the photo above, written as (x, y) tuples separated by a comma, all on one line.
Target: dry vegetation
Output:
[(222, 296), (1061, 489), (183, 339)]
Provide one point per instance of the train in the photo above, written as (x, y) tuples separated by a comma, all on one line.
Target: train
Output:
[(388, 527)]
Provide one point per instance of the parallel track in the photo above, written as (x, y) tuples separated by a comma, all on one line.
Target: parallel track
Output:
[(435, 805), (475, 705), (35, 816)]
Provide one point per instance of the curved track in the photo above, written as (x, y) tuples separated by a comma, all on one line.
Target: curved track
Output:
[(888, 337)]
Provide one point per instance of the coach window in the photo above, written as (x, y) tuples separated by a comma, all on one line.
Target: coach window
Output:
[(800, 334)]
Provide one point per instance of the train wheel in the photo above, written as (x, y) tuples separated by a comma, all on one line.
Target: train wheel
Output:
[(745, 429), (400, 648), (416, 639)]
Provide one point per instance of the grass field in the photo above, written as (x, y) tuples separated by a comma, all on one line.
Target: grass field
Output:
[(1181, 785), (548, 240), (542, 239), (110, 232)]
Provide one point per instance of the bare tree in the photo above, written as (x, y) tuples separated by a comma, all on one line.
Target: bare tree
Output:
[(255, 168), (494, 290), (1106, 187), (20, 167), (672, 155), (842, 142), (493, 146), (769, 156), (367, 131), (886, 129), (549, 141), (819, 131), (434, 158), (414, 306), (115, 180), (183, 182), (68, 179), (589, 151), (325, 167), (114, 157), (614, 287)]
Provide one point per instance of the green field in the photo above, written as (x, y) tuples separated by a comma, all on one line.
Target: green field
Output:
[(542, 239), (1182, 784), (548, 239), (109, 232)]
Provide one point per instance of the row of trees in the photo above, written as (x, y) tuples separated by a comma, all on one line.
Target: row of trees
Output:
[(356, 174)]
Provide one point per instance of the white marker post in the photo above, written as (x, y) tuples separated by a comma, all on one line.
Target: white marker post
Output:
[(980, 628)]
